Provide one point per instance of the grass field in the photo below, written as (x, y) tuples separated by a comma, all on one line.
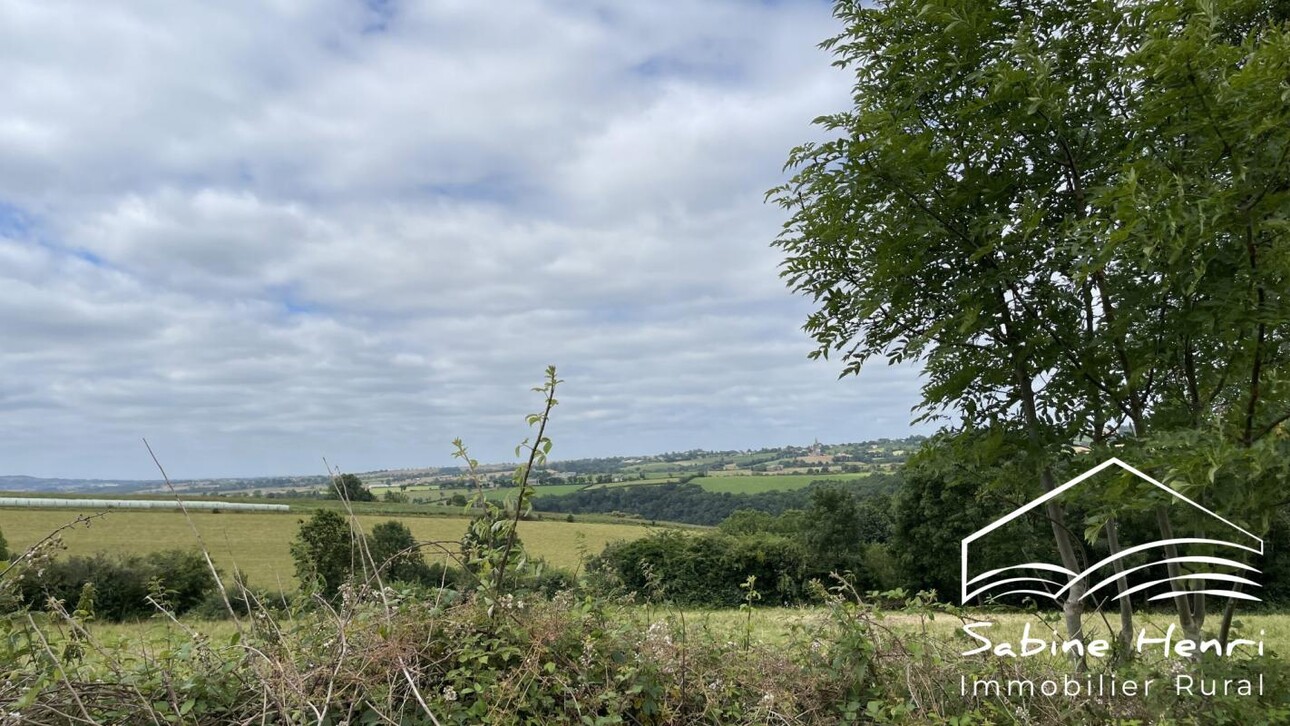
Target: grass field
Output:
[(740, 482), (767, 482), (633, 483), (434, 493), (258, 542), (550, 490)]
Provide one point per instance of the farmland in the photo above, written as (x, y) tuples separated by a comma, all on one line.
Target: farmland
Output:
[(258, 543), (768, 482), (432, 494)]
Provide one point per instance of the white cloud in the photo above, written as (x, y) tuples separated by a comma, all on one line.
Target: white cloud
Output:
[(260, 233)]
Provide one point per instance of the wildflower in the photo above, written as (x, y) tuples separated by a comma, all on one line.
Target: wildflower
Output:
[(588, 653), (449, 693)]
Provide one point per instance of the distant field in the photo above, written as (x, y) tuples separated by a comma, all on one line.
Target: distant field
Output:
[(258, 543), (434, 493), (768, 482), (739, 482), (632, 483)]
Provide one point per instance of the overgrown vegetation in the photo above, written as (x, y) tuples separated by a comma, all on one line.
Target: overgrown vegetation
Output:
[(398, 655)]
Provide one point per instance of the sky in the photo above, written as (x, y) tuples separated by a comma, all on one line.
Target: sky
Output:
[(263, 233)]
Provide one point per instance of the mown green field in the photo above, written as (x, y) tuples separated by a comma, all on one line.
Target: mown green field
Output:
[(258, 543), (434, 493), (633, 483), (767, 482), (740, 482), (497, 495)]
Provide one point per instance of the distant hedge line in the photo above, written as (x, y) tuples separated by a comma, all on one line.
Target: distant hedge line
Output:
[(690, 503)]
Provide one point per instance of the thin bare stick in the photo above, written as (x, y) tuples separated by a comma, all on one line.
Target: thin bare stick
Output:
[(359, 537), (219, 583), (80, 519), (62, 672), (416, 693)]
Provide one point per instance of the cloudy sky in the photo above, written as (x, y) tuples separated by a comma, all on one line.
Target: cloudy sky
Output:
[(263, 232)]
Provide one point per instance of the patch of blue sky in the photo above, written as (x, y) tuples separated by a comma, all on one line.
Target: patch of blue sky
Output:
[(90, 257), (380, 13), (709, 69), (289, 301), (493, 188), (17, 224), (14, 222)]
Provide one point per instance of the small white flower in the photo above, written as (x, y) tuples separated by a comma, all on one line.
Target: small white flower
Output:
[(449, 693)]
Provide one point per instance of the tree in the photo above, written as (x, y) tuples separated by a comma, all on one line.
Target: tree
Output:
[(833, 537), (933, 228), (746, 521), (1078, 234), (325, 551), (394, 550), (350, 488), (949, 490)]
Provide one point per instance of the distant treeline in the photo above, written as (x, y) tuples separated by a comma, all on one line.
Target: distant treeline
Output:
[(692, 504)]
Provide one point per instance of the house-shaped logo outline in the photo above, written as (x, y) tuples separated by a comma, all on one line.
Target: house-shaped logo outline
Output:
[(965, 582)]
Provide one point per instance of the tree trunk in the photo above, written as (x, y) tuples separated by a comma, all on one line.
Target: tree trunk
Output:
[(1181, 601), (1073, 608), (1229, 610), (1121, 584), (1198, 608)]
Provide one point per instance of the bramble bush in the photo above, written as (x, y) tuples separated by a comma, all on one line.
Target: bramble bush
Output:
[(398, 655)]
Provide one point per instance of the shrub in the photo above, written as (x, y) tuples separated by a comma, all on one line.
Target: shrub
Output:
[(176, 579), (394, 549), (706, 570), (243, 599), (324, 551)]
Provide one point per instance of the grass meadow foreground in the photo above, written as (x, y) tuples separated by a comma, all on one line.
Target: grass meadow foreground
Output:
[(392, 655)]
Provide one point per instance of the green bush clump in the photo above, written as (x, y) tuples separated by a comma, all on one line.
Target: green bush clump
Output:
[(176, 579), (706, 570)]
